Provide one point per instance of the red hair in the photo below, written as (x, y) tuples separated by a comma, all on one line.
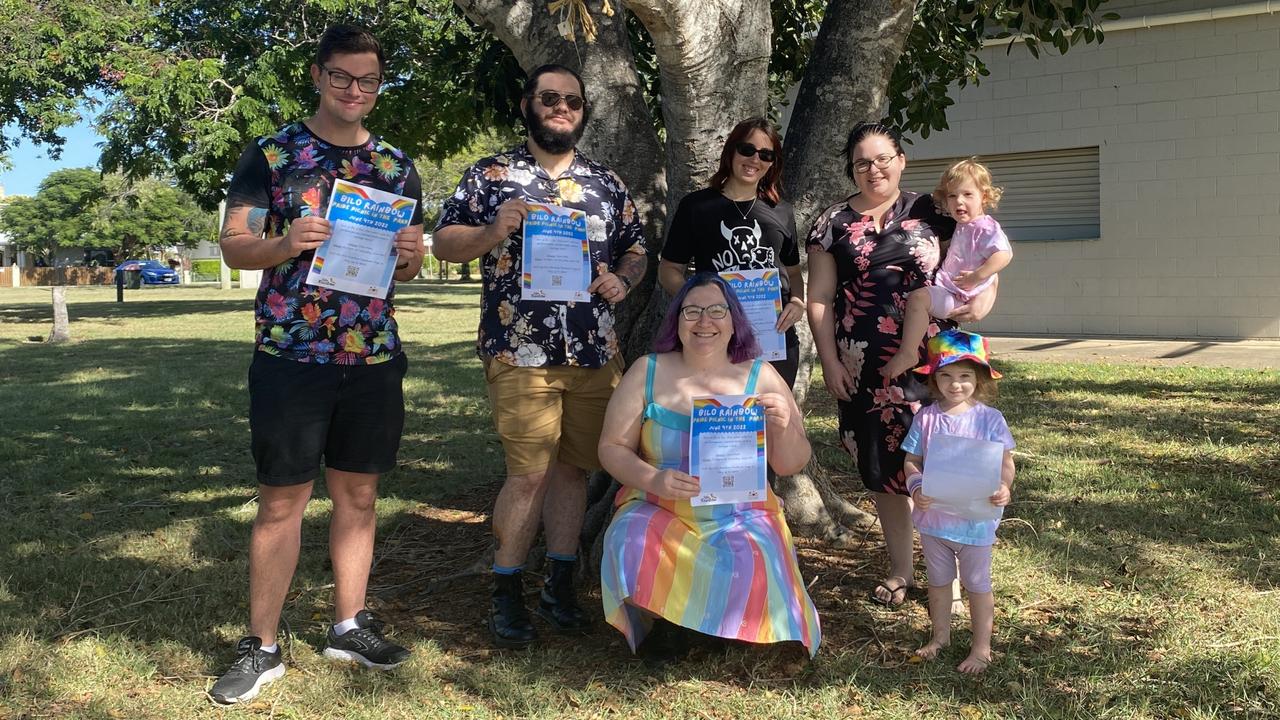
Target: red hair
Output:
[(768, 188)]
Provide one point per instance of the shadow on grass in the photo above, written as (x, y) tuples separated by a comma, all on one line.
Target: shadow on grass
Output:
[(133, 308), (129, 486), (1177, 465), (127, 511), (156, 303)]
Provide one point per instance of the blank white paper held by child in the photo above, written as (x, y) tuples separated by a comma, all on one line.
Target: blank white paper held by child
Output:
[(961, 474)]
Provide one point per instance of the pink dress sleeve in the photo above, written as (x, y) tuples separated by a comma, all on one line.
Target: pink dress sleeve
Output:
[(989, 239)]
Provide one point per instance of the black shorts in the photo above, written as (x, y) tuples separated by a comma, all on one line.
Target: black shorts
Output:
[(349, 416)]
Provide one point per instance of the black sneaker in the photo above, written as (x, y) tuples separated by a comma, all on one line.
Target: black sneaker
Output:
[(253, 669), (508, 618), (558, 604), (365, 645)]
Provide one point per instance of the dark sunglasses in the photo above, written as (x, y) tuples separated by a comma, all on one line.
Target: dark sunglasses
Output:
[(746, 149), (551, 98)]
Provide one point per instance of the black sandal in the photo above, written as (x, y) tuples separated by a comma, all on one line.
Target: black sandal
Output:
[(892, 591)]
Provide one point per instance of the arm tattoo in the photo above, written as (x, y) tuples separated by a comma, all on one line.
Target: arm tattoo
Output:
[(254, 222), (634, 266), (257, 221)]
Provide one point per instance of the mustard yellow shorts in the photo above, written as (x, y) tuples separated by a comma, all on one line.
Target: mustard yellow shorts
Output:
[(550, 413)]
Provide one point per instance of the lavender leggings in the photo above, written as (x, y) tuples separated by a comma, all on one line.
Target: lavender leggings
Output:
[(941, 557)]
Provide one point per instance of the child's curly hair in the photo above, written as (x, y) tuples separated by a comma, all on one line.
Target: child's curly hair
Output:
[(969, 169), (986, 388)]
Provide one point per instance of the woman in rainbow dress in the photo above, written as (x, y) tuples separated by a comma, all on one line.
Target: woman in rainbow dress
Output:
[(669, 567)]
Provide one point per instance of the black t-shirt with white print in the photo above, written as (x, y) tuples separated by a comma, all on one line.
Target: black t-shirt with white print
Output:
[(717, 234)]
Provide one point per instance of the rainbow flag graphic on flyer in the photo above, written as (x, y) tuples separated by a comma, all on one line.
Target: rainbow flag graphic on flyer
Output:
[(727, 449), (360, 256)]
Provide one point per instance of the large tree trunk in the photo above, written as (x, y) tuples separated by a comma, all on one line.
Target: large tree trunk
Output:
[(61, 324), (846, 81), (620, 133), (713, 56)]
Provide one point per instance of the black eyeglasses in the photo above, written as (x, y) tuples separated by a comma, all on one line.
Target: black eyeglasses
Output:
[(342, 80), (551, 98), (693, 313), (880, 161), (746, 149)]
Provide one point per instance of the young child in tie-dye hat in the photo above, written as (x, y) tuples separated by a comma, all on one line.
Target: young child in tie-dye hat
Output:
[(961, 381)]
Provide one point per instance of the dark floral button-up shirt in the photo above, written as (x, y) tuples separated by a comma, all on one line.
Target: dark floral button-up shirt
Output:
[(292, 172), (531, 333)]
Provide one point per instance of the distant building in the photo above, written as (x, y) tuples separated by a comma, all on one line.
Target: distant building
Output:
[(1141, 176)]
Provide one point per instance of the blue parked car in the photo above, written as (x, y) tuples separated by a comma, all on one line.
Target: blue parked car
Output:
[(153, 272)]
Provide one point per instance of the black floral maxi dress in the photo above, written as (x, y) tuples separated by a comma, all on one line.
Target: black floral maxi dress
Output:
[(874, 273)]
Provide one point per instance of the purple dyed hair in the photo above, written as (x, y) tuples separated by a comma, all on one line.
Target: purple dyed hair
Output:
[(742, 346)]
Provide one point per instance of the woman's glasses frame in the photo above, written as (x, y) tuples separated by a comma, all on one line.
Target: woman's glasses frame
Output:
[(880, 161), (693, 313)]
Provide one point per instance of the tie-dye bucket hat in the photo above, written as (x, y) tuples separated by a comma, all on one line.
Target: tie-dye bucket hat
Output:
[(951, 346)]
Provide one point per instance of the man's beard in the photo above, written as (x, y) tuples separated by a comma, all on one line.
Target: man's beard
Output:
[(553, 141)]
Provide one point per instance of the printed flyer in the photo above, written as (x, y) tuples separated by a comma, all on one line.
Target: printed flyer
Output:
[(961, 474), (760, 292), (556, 255), (360, 256), (727, 449)]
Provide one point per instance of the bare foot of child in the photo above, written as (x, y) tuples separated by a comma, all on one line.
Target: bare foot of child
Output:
[(976, 663), (931, 650), (904, 360)]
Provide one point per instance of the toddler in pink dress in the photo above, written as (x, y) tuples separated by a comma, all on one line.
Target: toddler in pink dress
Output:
[(979, 249)]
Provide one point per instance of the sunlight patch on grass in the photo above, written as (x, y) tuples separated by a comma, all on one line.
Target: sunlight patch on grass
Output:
[(1136, 575)]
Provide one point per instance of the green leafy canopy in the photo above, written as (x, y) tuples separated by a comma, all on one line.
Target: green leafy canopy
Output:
[(80, 207), (189, 82)]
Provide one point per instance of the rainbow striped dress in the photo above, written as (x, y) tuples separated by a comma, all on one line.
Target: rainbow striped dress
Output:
[(723, 570)]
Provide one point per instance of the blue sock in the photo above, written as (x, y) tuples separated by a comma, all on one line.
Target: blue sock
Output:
[(562, 557), (505, 570)]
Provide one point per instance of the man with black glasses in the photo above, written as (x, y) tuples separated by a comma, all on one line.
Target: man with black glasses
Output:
[(550, 366), (325, 380)]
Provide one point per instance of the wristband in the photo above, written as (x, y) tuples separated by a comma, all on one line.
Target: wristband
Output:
[(626, 282), (914, 482)]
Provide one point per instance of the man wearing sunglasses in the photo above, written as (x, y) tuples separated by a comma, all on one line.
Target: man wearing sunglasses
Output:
[(550, 366), (325, 381)]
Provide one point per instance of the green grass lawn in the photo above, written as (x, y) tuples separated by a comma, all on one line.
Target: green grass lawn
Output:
[(1137, 576)]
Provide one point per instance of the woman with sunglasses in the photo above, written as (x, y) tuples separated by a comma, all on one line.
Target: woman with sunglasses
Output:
[(668, 567), (866, 254), (740, 222)]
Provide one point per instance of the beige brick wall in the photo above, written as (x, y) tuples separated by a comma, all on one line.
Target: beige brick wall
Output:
[(1187, 122)]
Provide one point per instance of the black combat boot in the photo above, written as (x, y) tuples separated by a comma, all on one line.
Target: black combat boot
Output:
[(508, 618), (558, 604)]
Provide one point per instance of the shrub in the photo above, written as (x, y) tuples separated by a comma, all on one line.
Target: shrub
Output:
[(208, 269)]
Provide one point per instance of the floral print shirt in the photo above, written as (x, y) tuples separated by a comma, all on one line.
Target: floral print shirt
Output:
[(290, 174), (875, 271), (539, 333)]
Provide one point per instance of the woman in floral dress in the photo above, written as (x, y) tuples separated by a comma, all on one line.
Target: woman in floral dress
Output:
[(866, 253)]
